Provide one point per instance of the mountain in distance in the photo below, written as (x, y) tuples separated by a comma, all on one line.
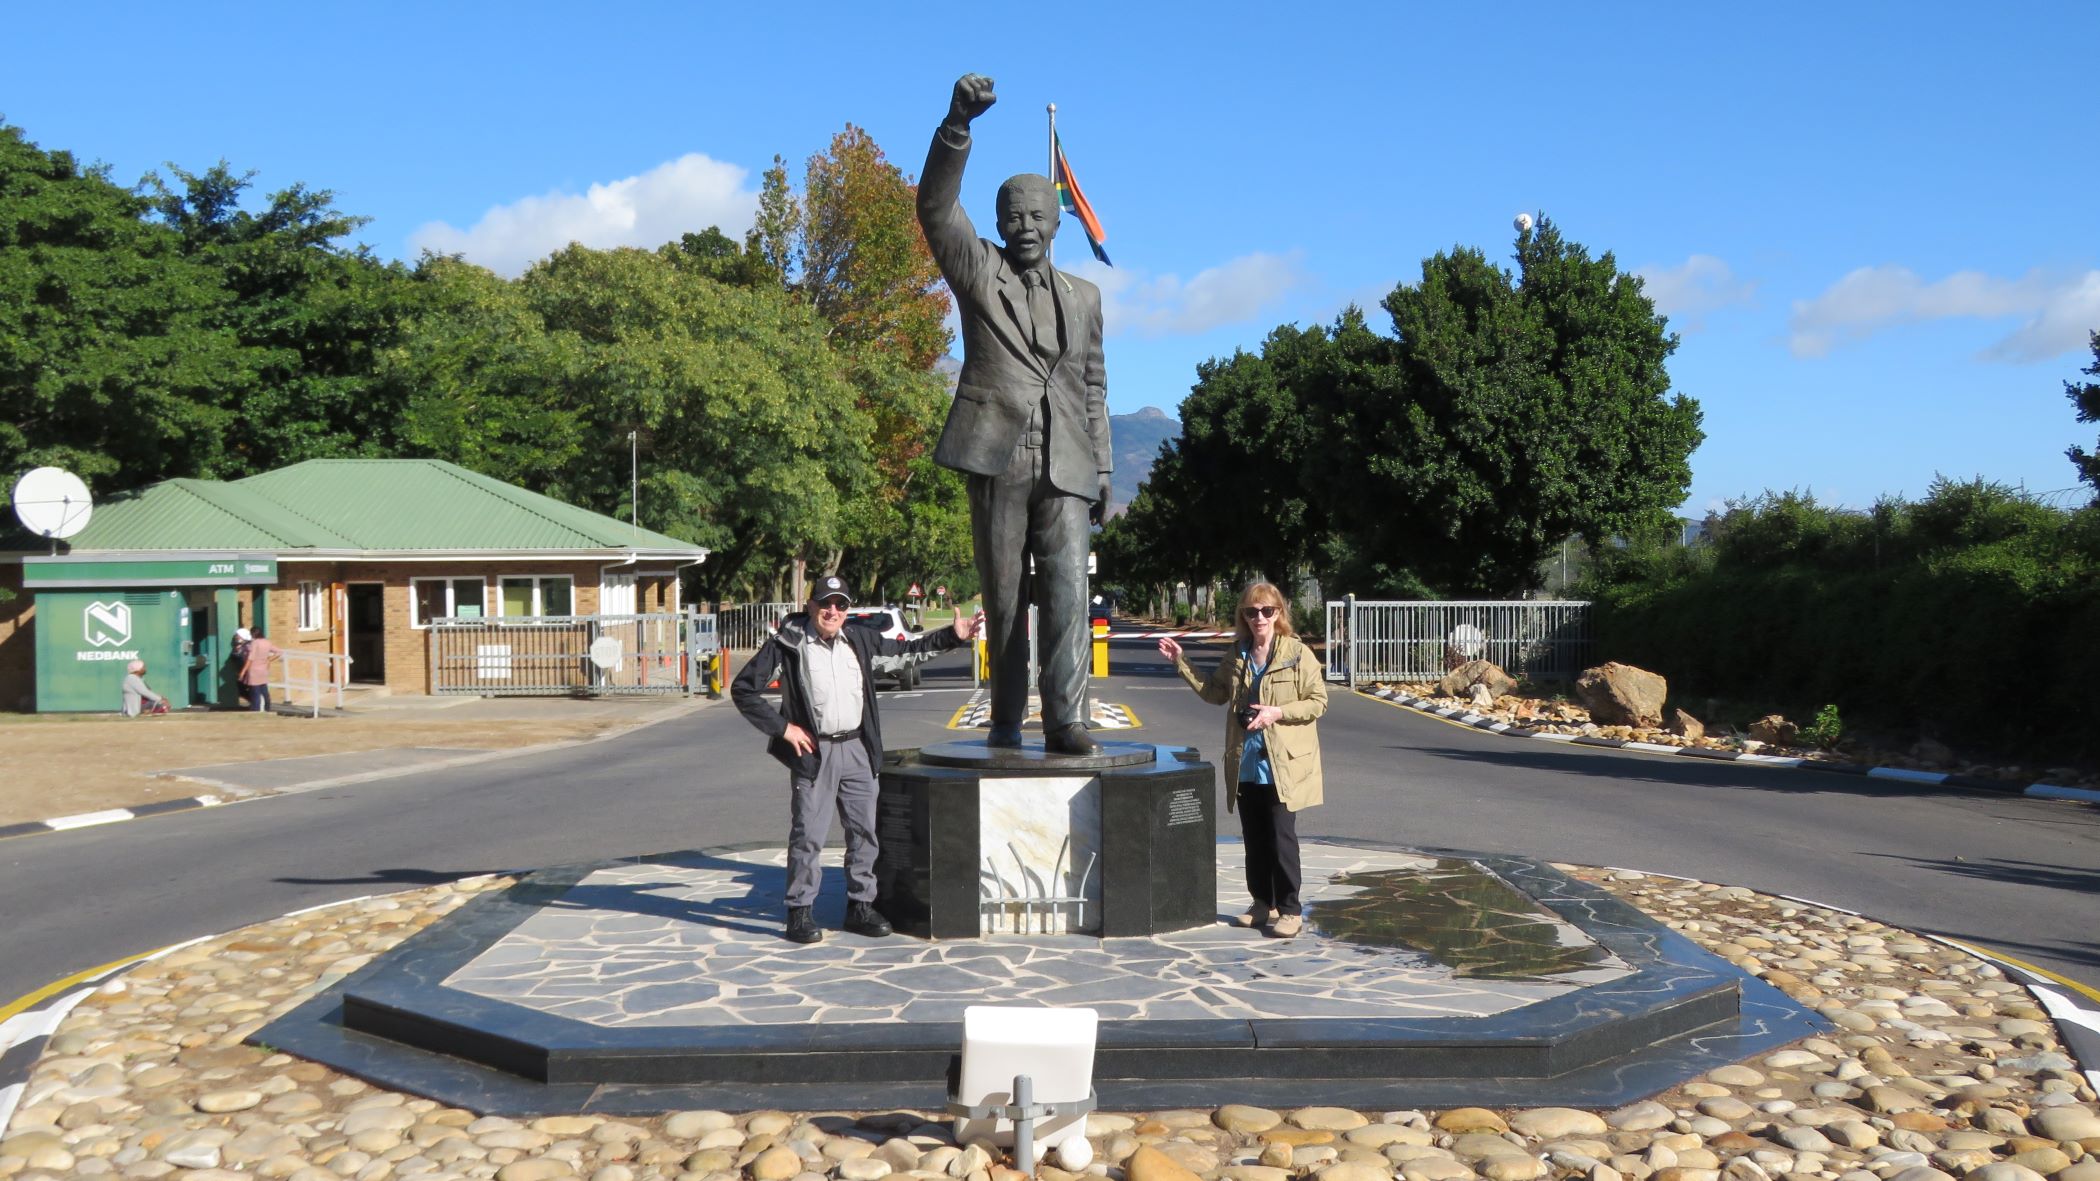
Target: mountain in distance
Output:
[(1134, 440)]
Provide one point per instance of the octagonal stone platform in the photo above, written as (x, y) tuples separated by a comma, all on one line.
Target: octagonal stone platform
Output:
[(1425, 978)]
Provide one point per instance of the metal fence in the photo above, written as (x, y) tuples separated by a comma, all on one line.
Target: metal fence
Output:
[(1421, 641), (747, 625), (561, 655)]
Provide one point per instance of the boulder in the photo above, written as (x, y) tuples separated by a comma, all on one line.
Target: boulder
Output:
[(1460, 681), (1685, 724), (1482, 696), (1622, 695), (1774, 730)]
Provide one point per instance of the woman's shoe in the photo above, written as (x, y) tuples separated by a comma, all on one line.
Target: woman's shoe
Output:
[(1257, 916), (1287, 926)]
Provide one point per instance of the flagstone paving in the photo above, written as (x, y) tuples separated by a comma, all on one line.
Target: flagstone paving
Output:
[(695, 940)]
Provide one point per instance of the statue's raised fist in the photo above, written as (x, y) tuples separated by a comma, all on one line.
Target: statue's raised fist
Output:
[(973, 97)]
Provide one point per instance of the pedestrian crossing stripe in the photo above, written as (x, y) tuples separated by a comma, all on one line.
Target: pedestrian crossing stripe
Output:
[(1102, 715)]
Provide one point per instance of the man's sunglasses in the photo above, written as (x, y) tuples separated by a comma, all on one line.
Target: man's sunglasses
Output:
[(1263, 612)]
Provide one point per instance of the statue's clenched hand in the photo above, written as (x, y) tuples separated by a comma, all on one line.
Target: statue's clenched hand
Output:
[(973, 97)]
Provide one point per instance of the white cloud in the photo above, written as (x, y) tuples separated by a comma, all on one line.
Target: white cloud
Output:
[(1700, 285), (2057, 311), (1165, 305), (690, 193)]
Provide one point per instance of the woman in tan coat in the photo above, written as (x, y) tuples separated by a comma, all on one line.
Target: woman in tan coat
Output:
[(1275, 692)]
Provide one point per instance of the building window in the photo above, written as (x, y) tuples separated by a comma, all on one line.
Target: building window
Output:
[(312, 607), (436, 598), (536, 595)]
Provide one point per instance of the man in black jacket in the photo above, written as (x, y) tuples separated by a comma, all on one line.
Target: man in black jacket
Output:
[(826, 732)]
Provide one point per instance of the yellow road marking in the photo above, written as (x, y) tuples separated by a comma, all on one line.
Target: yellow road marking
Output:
[(2085, 991), (24, 1003)]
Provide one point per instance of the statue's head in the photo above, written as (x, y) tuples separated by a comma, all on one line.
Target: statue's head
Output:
[(1027, 218)]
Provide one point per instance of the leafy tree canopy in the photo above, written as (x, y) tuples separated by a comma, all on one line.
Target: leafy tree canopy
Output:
[(1505, 412)]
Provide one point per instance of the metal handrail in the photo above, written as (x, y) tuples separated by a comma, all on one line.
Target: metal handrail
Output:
[(318, 671)]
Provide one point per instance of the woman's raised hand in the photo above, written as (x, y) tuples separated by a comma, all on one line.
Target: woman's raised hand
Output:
[(1170, 648)]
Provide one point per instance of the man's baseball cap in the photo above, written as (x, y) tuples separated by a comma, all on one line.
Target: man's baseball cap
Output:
[(831, 586)]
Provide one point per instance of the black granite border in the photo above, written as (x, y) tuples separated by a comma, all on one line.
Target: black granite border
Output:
[(1682, 1010)]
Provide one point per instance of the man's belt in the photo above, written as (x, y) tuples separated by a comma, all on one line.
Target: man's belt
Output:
[(841, 735)]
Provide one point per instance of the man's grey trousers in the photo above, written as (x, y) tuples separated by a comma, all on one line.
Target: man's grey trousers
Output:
[(844, 781)]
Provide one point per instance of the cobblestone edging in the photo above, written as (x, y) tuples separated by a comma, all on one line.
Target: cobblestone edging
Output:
[(1941, 1068), (2050, 791)]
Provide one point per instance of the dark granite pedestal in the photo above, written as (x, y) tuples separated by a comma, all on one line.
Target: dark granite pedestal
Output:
[(970, 840), (663, 984)]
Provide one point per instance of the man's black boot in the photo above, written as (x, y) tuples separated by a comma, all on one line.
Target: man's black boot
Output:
[(1071, 740), (862, 919), (802, 926), (1004, 734)]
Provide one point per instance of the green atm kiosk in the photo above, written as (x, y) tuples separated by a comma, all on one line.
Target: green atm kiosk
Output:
[(85, 640), (94, 616)]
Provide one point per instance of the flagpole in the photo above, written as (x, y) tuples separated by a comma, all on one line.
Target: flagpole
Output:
[(1050, 250)]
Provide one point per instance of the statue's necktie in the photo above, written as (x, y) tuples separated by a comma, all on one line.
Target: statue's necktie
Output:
[(1042, 314)]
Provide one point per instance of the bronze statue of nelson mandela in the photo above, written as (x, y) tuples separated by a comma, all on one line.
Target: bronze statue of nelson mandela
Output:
[(1029, 427)]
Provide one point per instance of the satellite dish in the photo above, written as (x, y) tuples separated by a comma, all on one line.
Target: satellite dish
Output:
[(52, 502)]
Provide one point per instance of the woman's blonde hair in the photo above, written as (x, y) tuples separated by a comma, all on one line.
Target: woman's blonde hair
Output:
[(1257, 594)]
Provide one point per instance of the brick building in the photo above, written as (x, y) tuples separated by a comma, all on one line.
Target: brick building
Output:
[(350, 557)]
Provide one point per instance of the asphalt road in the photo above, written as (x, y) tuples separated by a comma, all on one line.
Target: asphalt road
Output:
[(2016, 875)]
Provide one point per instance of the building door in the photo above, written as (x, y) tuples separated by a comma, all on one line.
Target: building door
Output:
[(204, 671), (366, 644)]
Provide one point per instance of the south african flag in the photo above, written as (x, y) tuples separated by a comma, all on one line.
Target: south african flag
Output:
[(1074, 202)]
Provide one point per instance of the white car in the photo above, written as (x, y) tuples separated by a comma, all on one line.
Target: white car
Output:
[(890, 622)]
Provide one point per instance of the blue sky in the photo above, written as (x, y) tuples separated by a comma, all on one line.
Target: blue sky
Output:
[(1872, 223)]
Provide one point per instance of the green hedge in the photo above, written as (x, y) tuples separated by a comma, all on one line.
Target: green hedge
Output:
[(1972, 616)]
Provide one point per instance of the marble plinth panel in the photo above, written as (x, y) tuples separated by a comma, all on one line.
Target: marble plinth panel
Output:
[(1041, 842)]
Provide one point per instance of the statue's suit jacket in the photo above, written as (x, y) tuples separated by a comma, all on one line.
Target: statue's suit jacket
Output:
[(1002, 377)]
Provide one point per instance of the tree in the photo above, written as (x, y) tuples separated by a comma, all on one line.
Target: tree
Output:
[(113, 350), (2086, 398), (1504, 414), (308, 314)]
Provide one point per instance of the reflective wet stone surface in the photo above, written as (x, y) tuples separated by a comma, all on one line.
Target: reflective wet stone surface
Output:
[(1470, 920)]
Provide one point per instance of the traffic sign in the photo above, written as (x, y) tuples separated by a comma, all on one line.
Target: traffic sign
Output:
[(915, 592)]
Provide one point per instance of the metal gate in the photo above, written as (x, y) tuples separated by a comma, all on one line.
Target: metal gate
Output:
[(747, 625), (1421, 641), (565, 655)]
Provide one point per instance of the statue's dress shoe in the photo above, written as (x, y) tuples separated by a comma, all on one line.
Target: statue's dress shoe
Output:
[(1071, 740), (1004, 734)]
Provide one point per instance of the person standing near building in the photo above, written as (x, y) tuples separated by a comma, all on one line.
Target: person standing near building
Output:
[(255, 672), (827, 733)]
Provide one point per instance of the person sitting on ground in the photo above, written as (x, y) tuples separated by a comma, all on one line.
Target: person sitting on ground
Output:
[(137, 694)]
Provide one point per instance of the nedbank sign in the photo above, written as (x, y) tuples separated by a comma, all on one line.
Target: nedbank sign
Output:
[(59, 573)]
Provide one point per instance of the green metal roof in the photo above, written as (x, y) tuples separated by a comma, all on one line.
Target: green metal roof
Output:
[(356, 504)]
